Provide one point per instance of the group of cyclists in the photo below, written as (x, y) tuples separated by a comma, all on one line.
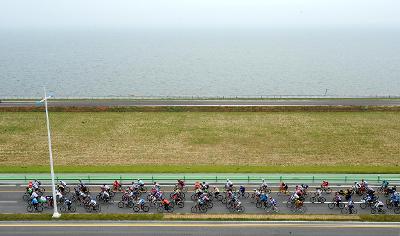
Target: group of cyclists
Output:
[(136, 196)]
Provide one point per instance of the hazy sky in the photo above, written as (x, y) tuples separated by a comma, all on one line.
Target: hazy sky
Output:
[(198, 13)]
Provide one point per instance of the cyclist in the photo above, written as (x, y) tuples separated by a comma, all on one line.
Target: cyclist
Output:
[(156, 186), (181, 184), (61, 186), (272, 202), (117, 185), (385, 184), (165, 203), (263, 197), (263, 185), (318, 193), (324, 184), (141, 202), (34, 195), (395, 199), (141, 184), (283, 187), (242, 189), (216, 191), (228, 184), (36, 184), (337, 198), (379, 205), (350, 205), (205, 186)]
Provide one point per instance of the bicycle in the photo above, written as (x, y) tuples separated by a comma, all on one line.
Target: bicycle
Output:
[(202, 208), (334, 204), (68, 207), (38, 208), (346, 210), (272, 209), (318, 199), (144, 207), (162, 208)]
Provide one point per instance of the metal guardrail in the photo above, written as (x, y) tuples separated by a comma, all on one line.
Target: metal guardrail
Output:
[(216, 179)]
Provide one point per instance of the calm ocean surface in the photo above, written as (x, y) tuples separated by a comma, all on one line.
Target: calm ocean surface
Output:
[(102, 63)]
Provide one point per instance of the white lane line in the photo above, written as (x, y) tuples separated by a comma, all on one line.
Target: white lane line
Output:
[(8, 202)]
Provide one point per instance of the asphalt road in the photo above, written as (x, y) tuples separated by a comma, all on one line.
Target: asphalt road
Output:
[(199, 228), (116, 103), (11, 202)]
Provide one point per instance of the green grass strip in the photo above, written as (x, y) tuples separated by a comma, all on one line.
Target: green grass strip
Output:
[(183, 217), (206, 169), (206, 109), (380, 218), (45, 217)]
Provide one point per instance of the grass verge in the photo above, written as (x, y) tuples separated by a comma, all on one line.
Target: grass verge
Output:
[(205, 169), (39, 217), (204, 109), (208, 217)]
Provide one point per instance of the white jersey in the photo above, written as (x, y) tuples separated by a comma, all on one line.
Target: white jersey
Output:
[(34, 195)]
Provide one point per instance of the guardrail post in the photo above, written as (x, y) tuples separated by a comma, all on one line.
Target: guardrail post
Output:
[(152, 179), (184, 178), (88, 178), (25, 178), (120, 178), (280, 178), (345, 179), (313, 179), (379, 178), (216, 179), (248, 179)]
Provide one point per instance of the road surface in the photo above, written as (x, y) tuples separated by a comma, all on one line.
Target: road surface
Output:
[(11, 202), (117, 103), (199, 228)]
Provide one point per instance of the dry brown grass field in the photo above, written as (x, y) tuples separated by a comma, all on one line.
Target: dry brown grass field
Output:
[(202, 138)]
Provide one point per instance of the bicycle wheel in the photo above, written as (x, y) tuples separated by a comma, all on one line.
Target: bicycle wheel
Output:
[(322, 199), (112, 194), (259, 204), (160, 209), (331, 205), (39, 208), (397, 210), (121, 204), (240, 209), (341, 205), (373, 211), (363, 205), (97, 208), (72, 208), (181, 204), (63, 209), (203, 208), (344, 211), (146, 208), (210, 205), (170, 209), (313, 199), (25, 197), (136, 209), (194, 209), (30, 208), (194, 197)]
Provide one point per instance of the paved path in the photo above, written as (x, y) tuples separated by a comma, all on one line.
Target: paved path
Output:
[(210, 177), (116, 102), (11, 202), (199, 228)]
